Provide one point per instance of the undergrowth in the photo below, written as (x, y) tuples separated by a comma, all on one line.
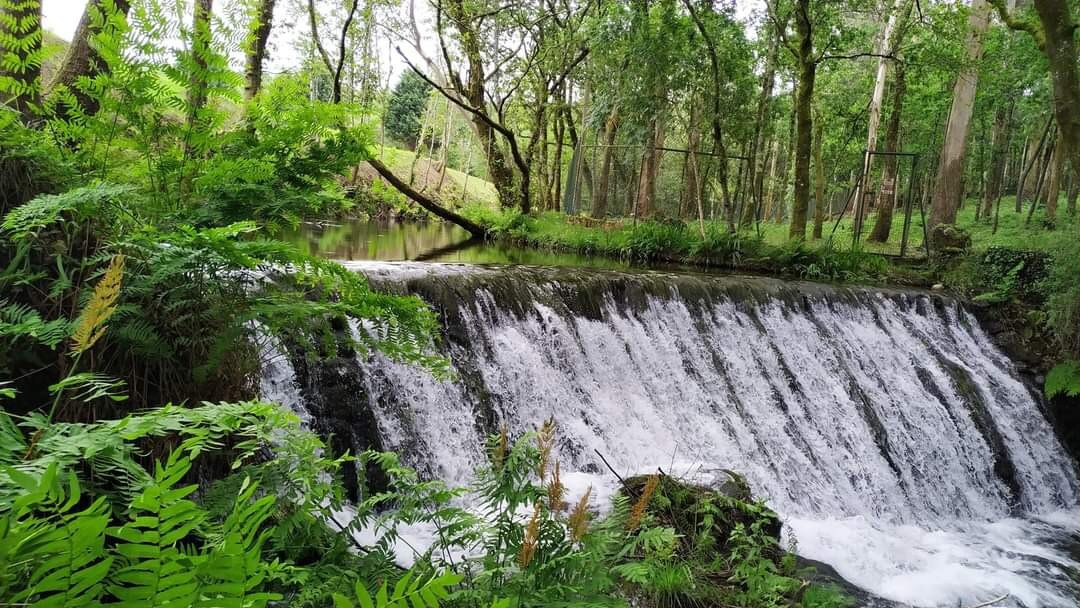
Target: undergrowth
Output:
[(682, 243)]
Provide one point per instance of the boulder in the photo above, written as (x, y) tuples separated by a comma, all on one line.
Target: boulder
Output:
[(949, 239)]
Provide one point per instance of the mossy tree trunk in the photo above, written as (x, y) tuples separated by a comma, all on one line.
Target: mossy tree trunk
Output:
[(262, 24), (804, 121), (600, 196)]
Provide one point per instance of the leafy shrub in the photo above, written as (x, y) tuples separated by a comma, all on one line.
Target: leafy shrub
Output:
[(214, 279)]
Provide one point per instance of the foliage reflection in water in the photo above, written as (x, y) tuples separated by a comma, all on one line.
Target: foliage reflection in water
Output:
[(391, 241)]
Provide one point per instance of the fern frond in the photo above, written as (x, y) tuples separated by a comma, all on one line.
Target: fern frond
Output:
[(1063, 379), (101, 306)]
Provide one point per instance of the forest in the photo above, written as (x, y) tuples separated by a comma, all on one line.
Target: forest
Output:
[(823, 255)]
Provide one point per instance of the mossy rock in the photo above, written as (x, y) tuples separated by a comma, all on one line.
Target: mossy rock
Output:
[(711, 508), (949, 239)]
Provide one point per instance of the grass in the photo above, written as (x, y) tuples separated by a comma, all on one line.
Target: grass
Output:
[(476, 189), (675, 242), (1012, 231)]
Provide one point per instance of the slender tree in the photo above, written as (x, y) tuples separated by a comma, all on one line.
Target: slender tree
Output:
[(804, 121), (262, 23), (890, 187), (200, 50)]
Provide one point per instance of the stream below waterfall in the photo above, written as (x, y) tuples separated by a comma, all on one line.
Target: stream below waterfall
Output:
[(897, 443)]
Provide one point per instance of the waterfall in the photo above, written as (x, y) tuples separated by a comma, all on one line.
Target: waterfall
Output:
[(897, 443)]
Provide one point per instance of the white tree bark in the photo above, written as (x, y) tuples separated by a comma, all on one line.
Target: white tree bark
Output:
[(948, 187)]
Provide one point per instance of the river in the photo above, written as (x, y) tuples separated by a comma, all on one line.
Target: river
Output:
[(898, 444)]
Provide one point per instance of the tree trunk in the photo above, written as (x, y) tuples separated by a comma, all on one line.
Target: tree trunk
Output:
[(200, 48), (785, 171), (261, 25), (804, 122), (1074, 190), (888, 42), (757, 173), (690, 195), (999, 153), (890, 187), (819, 180), (948, 186), (650, 168), (82, 60), (1053, 188), (600, 196), (1060, 49), (770, 200), (20, 71)]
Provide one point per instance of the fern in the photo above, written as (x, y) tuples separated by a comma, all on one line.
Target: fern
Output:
[(1063, 379), (20, 322), (409, 592), (52, 555), (89, 202), (91, 323)]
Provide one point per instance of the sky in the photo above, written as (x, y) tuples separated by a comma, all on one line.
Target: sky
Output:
[(62, 18)]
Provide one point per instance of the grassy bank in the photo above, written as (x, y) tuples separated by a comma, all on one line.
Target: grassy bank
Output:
[(680, 243)]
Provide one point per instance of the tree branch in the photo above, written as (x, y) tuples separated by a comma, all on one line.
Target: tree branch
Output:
[(891, 56), (1020, 25), (477, 112), (425, 202), (341, 50), (315, 36)]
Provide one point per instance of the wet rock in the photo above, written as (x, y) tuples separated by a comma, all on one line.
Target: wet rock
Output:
[(726, 497), (824, 574)]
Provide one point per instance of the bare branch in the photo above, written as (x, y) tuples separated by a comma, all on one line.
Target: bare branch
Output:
[(313, 15)]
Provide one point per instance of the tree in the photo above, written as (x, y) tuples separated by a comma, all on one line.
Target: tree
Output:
[(887, 194), (804, 121), (262, 23), (405, 107), (1055, 35), (201, 41), (335, 69), (83, 59), (949, 183), (21, 55)]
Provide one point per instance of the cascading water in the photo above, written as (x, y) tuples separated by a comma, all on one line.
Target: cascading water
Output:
[(896, 442)]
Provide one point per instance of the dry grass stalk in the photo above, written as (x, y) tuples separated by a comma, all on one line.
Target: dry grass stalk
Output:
[(101, 306), (579, 517), (545, 441), (642, 503), (532, 536), (499, 456), (555, 490)]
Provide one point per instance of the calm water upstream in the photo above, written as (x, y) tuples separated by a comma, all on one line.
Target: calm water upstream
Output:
[(390, 241)]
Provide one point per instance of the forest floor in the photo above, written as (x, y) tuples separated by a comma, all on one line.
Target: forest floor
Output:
[(1013, 231)]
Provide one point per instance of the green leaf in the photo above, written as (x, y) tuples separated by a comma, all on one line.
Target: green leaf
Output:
[(1063, 379)]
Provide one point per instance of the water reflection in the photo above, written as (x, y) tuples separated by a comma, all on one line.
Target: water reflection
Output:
[(391, 241)]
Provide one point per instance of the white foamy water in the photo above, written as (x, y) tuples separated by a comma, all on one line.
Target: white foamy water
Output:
[(895, 441)]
